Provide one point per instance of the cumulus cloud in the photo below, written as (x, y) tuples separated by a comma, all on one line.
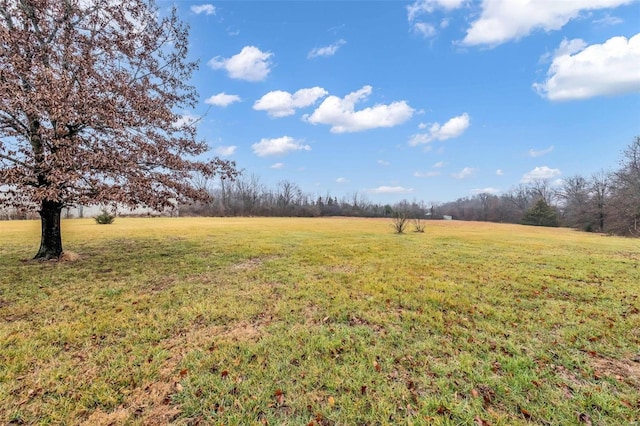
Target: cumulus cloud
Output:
[(251, 64), (326, 50), (426, 174), (225, 151), (453, 128), (277, 166), (341, 115), (504, 20), (279, 103), (278, 146), (464, 173), (579, 71), (539, 153), (391, 190), (540, 173), (439, 165), (342, 180), (222, 99), (499, 172), (207, 9)]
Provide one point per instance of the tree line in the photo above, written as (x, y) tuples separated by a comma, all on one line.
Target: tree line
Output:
[(606, 202)]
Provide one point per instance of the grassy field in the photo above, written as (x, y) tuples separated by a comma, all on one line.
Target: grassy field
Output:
[(318, 322)]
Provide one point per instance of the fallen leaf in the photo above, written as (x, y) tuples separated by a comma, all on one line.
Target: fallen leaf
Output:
[(376, 365), (279, 396), (475, 393), (584, 418), (331, 401), (481, 422)]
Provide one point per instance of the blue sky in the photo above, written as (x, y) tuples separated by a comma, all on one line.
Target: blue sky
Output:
[(429, 100)]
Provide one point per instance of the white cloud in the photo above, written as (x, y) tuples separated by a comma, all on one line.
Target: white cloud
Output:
[(278, 146), (422, 126), (342, 180), (426, 174), (251, 64), (279, 103), (222, 100), (341, 115), (540, 173), (207, 9), (464, 173), (451, 129), (579, 71), (425, 7), (391, 190), (504, 20), (185, 120), (608, 20), (539, 153), (326, 50), (225, 151), (488, 190), (499, 172), (277, 166), (439, 165), (383, 162), (424, 29)]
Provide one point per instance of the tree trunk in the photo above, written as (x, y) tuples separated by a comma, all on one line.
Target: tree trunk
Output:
[(51, 238)]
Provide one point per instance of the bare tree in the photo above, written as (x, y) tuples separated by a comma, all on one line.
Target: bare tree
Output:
[(89, 91), (575, 202), (625, 199), (600, 194)]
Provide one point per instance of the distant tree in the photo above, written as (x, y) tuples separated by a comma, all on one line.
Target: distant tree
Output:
[(600, 189), (625, 198), (90, 92), (541, 214), (575, 201)]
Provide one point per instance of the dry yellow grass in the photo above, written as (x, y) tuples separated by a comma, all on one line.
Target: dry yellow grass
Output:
[(318, 321)]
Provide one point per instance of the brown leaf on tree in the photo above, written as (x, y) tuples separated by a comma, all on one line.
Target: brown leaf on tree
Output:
[(90, 92)]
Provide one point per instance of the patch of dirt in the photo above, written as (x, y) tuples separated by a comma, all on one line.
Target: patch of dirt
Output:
[(626, 370), (243, 331), (251, 263)]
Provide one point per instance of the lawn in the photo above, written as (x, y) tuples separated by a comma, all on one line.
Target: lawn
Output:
[(241, 321)]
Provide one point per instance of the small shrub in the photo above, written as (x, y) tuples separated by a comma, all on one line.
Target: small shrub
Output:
[(399, 222), (105, 218), (418, 225)]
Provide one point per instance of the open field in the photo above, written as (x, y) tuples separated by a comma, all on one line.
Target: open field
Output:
[(318, 321)]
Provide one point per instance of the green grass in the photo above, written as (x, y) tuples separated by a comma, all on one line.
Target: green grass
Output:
[(318, 321)]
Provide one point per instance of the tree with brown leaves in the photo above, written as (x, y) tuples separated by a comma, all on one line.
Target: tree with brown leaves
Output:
[(91, 93)]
